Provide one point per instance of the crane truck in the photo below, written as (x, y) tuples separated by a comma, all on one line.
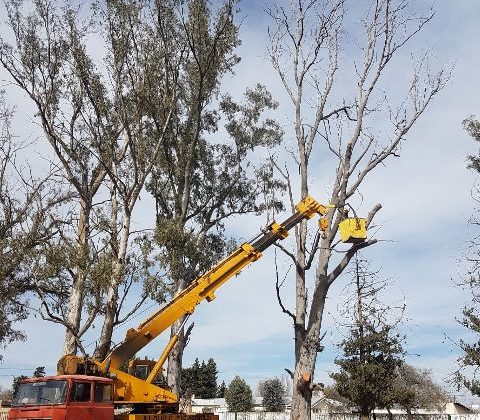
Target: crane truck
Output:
[(88, 389)]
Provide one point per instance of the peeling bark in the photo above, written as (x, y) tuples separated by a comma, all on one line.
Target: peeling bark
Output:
[(75, 302)]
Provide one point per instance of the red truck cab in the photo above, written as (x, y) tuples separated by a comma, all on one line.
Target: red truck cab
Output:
[(64, 397)]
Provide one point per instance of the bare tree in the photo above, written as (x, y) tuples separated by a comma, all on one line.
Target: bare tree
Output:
[(305, 50)]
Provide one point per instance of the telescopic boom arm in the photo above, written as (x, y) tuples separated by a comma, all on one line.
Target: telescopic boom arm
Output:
[(204, 287), (128, 388)]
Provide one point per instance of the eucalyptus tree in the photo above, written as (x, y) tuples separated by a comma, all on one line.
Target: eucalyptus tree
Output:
[(92, 104), (206, 172), (48, 61), (332, 74), (144, 58), (27, 221)]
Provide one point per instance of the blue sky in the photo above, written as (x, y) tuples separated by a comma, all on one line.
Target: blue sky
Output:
[(426, 198)]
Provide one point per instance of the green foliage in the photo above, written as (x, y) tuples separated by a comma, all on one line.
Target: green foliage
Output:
[(39, 372), (200, 380), (273, 392), (200, 180), (472, 126), (16, 382), (368, 367), (469, 362), (415, 388), (373, 351), (205, 172), (25, 225), (222, 388), (238, 396), (90, 108)]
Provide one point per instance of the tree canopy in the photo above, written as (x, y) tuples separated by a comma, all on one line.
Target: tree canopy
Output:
[(239, 395), (272, 392), (372, 351), (200, 380), (415, 388)]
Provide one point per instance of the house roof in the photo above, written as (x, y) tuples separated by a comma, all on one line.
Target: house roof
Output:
[(219, 402), (316, 400)]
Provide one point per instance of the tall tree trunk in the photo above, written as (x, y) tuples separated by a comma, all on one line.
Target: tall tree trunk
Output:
[(307, 354), (174, 369), (302, 391), (111, 304), (75, 302), (105, 340)]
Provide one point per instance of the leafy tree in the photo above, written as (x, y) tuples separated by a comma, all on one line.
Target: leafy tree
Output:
[(39, 372), (372, 352), (272, 392), (469, 362), (189, 384), (199, 180), (200, 379), (334, 118), (64, 112), (238, 396), (16, 382), (367, 368), (415, 388), (210, 379), (27, 222), (95, 116), (221, 390)]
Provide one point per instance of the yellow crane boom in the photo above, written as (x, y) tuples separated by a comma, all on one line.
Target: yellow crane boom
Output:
[(130, 389)]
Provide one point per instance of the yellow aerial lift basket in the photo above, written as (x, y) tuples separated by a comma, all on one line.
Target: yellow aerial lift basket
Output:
[(353, 230)]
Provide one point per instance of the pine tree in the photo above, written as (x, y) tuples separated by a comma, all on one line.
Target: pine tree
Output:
[(189, 383), (373, 351), (367, 374), (39, 372), (238, 396), (469, 362), (16, 382), (272, 392), (200, 379), (221, 390), (210, 379)]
